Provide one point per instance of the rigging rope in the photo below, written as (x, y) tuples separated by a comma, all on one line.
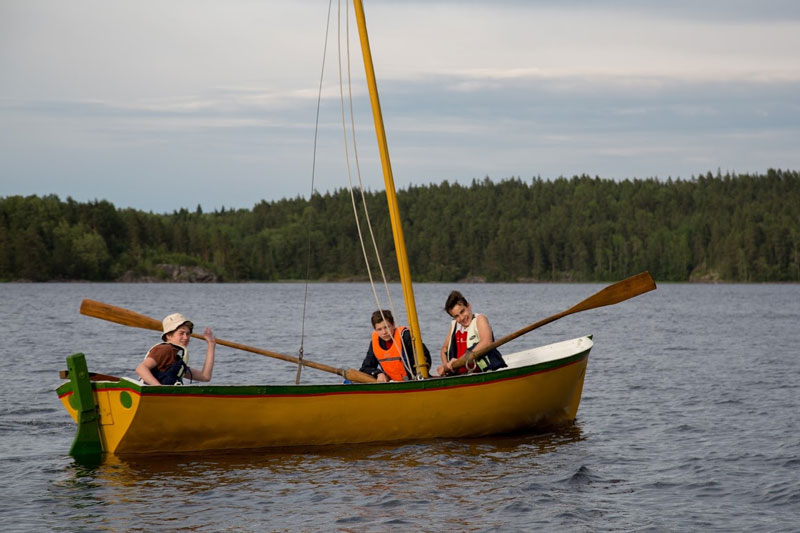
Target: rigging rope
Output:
[(311, 195), (300, 352)]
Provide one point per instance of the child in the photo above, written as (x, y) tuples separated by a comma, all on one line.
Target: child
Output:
[(166, 362), (468, 332), (390, 356)]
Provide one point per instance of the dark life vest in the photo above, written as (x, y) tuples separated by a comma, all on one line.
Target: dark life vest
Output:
[(492, 360), (173, 374)]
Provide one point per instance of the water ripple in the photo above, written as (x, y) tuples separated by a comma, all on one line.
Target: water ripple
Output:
[(688, 419)]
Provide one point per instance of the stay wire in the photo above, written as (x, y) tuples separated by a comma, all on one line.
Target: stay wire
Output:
[(311, 195)]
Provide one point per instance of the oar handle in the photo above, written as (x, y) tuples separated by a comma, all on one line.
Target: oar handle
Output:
[(613, 294), (126, 317)]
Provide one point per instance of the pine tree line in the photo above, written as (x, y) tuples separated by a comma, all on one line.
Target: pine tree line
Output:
[(713, 227)]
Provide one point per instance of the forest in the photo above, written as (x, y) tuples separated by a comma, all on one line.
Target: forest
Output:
[(731, 228)]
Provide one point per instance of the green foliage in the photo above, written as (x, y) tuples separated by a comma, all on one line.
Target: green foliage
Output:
[(732, 228)]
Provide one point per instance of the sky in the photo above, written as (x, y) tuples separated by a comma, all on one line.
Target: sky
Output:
[(167, 104)]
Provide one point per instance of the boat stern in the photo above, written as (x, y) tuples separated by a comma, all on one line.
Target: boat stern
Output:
[(102, 406)]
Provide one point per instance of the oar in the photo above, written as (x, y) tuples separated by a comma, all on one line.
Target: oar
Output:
[(613, 294), (125, 317)]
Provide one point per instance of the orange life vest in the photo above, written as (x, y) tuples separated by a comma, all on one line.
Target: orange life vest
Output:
[(391, 358)]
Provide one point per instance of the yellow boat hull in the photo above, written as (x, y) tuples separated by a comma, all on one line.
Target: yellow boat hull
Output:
[(541, 388)]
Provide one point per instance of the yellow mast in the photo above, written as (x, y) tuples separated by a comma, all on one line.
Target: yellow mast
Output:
[(391, 196)]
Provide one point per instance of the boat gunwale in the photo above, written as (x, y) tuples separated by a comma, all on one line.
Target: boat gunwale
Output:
[(334, 389)]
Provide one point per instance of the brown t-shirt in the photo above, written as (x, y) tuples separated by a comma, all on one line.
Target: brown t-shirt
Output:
[(164, 355)]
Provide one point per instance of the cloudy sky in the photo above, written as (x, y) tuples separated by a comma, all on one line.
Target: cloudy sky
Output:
[(164, 104)]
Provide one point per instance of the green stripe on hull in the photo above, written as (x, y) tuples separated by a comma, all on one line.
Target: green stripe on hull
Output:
[(327, 389)]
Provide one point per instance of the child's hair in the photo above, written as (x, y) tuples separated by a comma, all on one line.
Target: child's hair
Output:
[(453, 300), (377, 318)]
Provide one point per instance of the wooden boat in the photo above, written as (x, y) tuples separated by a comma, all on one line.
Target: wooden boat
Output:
[(540, 388)]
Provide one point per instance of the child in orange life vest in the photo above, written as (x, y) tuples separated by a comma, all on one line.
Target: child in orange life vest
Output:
[(166, 362), (390, 356), (468, 332)]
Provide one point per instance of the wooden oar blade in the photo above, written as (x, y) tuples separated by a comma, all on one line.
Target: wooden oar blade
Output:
[(618, 292), (613, 294), (118, 315)]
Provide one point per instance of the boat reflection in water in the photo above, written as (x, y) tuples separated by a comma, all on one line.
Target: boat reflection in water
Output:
[(340, 487), (459, 460)]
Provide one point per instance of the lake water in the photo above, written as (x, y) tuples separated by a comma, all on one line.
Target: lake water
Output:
[(688, 419)]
